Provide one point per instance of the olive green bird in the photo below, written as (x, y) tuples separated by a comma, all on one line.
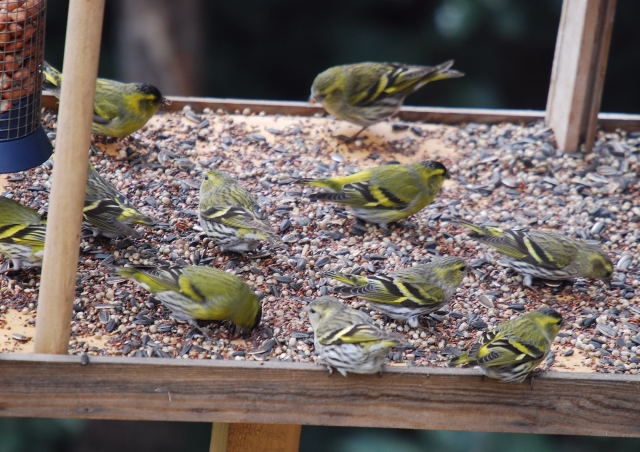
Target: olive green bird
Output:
[(386, 193), (22, 234), (120, 108), (200, 293), (514, 348), (346, 339), (544, 254), (230, 215), (367, 93), (409, 293), (108, 212)]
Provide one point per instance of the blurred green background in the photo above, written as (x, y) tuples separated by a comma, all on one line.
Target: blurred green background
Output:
[(272, 50)]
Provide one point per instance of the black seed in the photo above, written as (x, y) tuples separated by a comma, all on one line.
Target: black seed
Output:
[(478, 324)]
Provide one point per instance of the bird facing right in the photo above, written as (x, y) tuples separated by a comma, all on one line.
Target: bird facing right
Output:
[(367, 93), (385, 193), (544, 254), (200, 293), (512, 350), (120, 108), (347, 339), (108, 212), (409, 293)]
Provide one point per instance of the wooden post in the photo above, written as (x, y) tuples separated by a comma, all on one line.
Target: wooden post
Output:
[(579, 67), (251, 437), (58, 283)]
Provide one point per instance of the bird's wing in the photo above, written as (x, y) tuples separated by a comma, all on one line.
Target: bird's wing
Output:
[(352, 334), (12, 212), (104, 215), (236, 217)]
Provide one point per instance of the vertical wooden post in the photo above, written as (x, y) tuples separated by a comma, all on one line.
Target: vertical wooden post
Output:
[(252, 437), (579, 67), (58, 283)]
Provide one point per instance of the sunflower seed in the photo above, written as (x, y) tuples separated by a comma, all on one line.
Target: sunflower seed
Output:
[(486, 301), (624, 263)]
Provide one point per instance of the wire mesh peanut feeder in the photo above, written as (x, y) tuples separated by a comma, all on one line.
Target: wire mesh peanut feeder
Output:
[(23, 142)]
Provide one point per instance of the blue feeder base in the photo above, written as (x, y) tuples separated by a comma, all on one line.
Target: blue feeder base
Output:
[(24, 153)]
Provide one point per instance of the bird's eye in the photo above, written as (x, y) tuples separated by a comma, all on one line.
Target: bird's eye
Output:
[(313, 311)]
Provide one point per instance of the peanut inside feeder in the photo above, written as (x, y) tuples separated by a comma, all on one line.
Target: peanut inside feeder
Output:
[(23, 142)]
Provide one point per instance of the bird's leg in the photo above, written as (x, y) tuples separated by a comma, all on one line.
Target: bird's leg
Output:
[(352, 138)]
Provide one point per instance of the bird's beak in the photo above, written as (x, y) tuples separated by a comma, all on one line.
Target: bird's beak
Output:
[(312, 99), (165, 102)]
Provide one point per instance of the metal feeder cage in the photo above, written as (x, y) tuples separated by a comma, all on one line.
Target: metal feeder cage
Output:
[(23, 142)]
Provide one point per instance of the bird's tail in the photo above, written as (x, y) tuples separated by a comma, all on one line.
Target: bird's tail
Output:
[(52, 76), (355, 283), (352, 280), (443, 71), (462, 359), (478, 229), (311, 181)]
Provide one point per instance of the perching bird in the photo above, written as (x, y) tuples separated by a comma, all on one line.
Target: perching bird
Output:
[(544, 254), (514, 348), (346, 339), (200, 293), (366, 93), (22, 234), (107, 211), (385, 193), (120, 108), (409, 293), (230, 215)]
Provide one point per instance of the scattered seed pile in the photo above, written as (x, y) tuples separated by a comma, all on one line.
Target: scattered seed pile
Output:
[(506, 173)]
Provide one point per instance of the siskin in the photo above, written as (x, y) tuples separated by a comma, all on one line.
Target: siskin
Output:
[(230, 216), (22, 234), (200, 293), (120, 108), (346, 339), (367, 93), (514, 348), (409, 293), (544, 254), (107, 212), (386, 193)]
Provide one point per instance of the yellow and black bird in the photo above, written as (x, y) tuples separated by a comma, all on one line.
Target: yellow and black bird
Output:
[(120, 108)]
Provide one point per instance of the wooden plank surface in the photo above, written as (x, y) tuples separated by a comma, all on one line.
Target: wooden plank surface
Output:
[(608, 121), (578, 72), (34, 385)]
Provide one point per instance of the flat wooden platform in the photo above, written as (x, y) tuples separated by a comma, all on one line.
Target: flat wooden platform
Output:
[(296, 393)]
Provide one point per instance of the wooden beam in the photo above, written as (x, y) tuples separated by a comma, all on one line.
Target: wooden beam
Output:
[(579, 66), (608, 121), (294, 393), (58, 282)]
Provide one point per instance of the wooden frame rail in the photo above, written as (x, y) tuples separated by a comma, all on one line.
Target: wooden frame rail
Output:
[(38, 385), (607, 121)]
